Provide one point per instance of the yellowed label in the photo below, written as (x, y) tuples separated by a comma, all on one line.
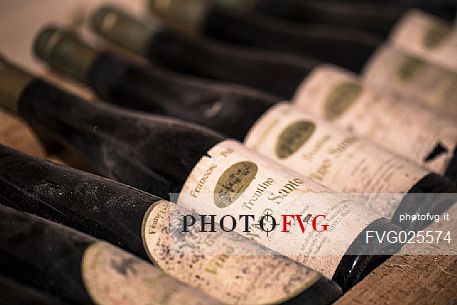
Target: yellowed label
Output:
[(341, 99), (337, 159), (275, 191), (390, 70), (427, 36), (225, 265), (401, 126), (114, 277)]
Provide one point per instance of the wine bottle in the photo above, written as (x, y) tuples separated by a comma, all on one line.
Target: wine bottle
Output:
[(348, 48), (416, 32), (418, 134), (439, 94), (377, 17), (137, 149), (12, 292), (234, 22), (151, 228), (80, 269), (203, 56), (295, 139)]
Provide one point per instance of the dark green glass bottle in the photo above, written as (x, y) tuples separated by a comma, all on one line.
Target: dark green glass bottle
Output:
[(123, 215), (157, 154), (377, 17), (231, 111), (78, 268), (235, 22), (279, 73), (12, 292)]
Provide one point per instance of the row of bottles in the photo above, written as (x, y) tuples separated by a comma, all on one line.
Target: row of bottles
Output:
[(162, 155), (321, 90), (206, 127)]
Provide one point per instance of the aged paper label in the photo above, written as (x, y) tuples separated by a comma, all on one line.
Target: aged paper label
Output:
[(401, 126), (234, 180), (334, 157), (427, 36), (225, 265), (410, 77), (115, 277)]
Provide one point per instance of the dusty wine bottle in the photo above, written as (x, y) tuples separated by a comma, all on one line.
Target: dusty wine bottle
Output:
[(80, 269), (223, 20), (12, 292), (137, 149), (375, 65), (203, 56), (149, 227), (410, 77), (404, 127), (299, 141), (415, 31), (377, 17)]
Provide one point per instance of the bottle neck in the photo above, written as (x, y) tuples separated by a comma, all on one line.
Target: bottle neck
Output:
[(13, 80), (230, 110), (123, 29), (182, 14), (190, 15), (151, 153), (65, 52)]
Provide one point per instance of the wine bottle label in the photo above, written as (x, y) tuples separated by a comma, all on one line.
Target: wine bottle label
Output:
[(399, 125), (226, 265), (427, 36), (114, 277), (234, 180), (329, 155), (409, 77)]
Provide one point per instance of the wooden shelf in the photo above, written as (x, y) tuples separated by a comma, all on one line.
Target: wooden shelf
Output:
[(408, 280)]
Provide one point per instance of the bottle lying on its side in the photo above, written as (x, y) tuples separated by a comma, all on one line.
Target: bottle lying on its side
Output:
[(210, 172), (412, 30), (234, 22), (396, 124), (150, 227), (81, 269), (297, 140), (416, 32), (357, 51)]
